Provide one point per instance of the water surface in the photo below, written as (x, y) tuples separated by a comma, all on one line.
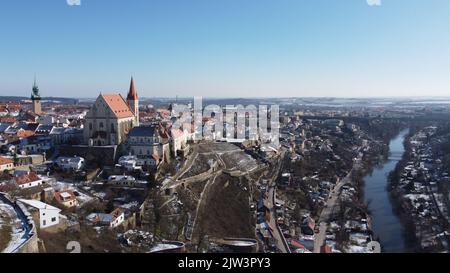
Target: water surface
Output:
[(385, 223)]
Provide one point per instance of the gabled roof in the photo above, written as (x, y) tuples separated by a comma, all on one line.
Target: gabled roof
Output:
[(4, 160), (44, 128), (27, 178), (118, 105), (38, 204), (8, 119)]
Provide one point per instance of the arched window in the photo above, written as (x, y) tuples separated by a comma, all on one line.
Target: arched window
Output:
[(90, 126), (101, 124)]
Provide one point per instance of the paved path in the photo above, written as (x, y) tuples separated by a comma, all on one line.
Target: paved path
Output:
[(278, 236), (270, 203), (327, 212)]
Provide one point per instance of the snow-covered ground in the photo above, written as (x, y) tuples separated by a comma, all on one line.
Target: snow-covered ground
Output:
[(130, 205), (18, 233), (356, 249)]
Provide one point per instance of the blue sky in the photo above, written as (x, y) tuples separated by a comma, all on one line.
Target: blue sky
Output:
[(223, 48)]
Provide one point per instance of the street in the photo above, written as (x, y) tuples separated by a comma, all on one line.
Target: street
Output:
[(327, 212)]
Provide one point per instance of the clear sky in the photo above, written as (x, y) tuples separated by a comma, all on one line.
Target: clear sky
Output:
[(218, 48)]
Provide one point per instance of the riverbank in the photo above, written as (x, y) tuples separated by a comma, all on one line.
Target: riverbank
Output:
[(385, 223), (395, 196), (415, 190)]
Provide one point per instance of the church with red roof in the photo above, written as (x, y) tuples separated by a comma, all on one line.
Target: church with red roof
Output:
[(111, 117)]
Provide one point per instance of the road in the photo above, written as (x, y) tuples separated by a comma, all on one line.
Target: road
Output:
[(278, 236), (270, 203), (327, 212)]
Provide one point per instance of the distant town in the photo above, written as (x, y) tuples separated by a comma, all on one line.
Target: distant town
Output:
[(115, 174)]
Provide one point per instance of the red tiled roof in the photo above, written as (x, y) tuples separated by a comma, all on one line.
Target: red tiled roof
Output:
[(7, 119), (27, 178), (7, 187), (118, 105), (4, 161)]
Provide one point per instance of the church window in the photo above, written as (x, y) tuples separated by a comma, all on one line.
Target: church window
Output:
[(101, 124), (90, 126)]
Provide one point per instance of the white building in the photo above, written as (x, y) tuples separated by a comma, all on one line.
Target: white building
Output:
[(121, 178), (6, 164), (48, 215), (70, 163), (28, 180), (129, 162)]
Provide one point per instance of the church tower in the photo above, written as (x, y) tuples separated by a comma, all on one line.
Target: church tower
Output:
[(36, 99), (133, 102)]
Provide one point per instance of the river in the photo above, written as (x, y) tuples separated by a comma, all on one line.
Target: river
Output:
[(385, 223)]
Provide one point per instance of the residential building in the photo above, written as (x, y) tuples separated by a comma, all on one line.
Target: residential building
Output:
[(28, 180), (75, 163), (6, 164), (47, 215), (112, 220), (66, 199)]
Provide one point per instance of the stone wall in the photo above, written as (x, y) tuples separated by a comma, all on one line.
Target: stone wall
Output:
[(97, 155), (31, 245)]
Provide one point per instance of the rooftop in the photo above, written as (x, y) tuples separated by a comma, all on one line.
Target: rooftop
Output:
[(118, 105), (143, 131)]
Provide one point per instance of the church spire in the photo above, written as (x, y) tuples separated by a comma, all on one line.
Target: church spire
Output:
[(132, 95), (35, 93), (133, 102)]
